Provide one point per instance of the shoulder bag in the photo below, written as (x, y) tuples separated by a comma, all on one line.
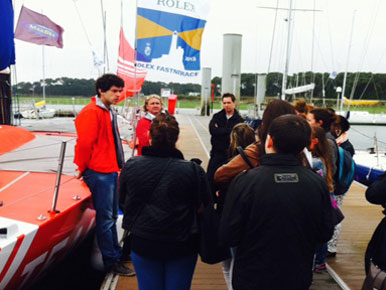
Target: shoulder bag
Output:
[(244, 156), (210, 250)]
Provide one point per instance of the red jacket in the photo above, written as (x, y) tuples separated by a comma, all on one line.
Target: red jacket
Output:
[(95, 148), (142, 132)]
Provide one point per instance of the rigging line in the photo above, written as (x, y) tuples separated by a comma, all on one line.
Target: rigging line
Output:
[(376, 91), (321, 55), (41, 146), (81, 22), (299, 47), (365, 49), (368, 36), (367, 136), (34, 159), (286, 9), (330, 40), (367, 85), (273, 37), (36, 194)]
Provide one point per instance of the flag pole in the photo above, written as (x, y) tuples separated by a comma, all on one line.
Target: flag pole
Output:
[(105, 59), (44, 74), (135, 52), (125, 100), (135, 78)]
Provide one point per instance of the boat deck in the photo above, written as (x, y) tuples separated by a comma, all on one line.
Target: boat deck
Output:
[(347, 268)]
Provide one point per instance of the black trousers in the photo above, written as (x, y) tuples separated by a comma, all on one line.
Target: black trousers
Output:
[(5, 99)]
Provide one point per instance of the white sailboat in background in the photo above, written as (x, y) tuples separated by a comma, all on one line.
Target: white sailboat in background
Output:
[(39, 111)]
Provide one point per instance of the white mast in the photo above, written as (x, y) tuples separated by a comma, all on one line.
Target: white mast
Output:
[(284, 83), (348, 57), (312, 53), (105, 51), (44, 75)]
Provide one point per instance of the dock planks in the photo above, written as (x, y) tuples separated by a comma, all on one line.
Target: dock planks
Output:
[(361, 219)]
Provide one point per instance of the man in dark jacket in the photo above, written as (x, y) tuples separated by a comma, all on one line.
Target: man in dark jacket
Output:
[(275, 214), (376, 249), (220, 128)]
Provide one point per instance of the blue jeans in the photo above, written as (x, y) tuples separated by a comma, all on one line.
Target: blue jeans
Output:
[(103, 187), (168, 274)]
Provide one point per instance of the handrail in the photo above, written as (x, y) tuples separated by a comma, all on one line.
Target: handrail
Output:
[(59, 175)]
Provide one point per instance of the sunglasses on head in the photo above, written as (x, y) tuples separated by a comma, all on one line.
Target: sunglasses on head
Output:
[(153, 97)]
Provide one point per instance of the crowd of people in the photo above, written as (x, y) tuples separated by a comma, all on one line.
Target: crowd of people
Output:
[(274, 190)]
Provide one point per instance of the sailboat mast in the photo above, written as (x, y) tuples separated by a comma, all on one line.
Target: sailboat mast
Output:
[(285, 75), (44, 75), (348, 57), (105, 53), (312, 53)]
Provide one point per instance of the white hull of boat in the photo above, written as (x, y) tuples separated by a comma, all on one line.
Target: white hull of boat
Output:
[(43, 114), (365, 118)]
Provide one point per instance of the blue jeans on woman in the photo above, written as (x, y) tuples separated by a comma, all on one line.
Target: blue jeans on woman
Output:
[(164, 274), (103, 187)]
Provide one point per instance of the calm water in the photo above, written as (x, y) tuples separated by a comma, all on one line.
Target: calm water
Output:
[(362, 137)]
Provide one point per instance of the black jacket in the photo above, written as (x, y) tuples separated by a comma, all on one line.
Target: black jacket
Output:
[(221, 134), (376, 192), (276, 214), (161, 210), (346, 145), (376, 249)]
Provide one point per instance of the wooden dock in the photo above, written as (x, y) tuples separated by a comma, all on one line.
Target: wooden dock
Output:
[(361, 218)]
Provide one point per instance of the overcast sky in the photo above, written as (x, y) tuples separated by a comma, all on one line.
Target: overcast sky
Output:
[(332, 34)]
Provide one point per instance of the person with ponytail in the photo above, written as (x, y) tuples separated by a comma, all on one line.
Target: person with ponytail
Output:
[(324, 118), (321, 164)]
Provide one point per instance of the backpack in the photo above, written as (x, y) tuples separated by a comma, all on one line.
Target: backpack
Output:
[(345, 171)]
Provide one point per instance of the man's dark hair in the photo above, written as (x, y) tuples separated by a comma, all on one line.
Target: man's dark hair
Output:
[(164, 131), (106, 81), (229, 95), (290, 134)]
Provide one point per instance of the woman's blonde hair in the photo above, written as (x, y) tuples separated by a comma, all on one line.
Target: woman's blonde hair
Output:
[(148, 98), (242, 135)]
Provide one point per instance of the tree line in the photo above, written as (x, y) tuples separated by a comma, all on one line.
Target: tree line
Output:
[(368, 85)]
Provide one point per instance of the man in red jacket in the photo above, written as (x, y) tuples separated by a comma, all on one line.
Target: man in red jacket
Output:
[(99, 156)]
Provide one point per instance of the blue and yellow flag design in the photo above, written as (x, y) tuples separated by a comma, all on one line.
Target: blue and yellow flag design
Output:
[(159, 21)]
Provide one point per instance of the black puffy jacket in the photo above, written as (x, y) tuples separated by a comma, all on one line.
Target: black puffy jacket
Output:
[(276, 214), (159, 193)]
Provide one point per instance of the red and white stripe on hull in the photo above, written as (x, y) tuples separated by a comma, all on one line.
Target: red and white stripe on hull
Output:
[(14, 246), (31, 244)]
